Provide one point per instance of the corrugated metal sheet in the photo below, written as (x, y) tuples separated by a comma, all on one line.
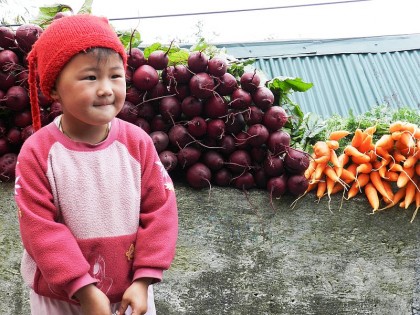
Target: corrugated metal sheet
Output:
[(354, 74)]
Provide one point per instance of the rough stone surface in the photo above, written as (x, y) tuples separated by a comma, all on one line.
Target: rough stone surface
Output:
[(237, 255)]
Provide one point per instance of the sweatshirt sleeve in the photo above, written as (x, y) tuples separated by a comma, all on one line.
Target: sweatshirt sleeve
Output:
[(158, 230), (49, 243)]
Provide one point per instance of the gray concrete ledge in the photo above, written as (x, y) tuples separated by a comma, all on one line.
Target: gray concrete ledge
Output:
[(237, 256)]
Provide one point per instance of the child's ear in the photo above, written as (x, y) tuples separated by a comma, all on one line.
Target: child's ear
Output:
[(54, 95)]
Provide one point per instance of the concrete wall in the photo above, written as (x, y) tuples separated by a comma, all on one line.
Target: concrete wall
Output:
[(237, 256)]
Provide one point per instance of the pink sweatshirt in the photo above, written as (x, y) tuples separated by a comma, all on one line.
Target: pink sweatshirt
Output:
[(103, 213)]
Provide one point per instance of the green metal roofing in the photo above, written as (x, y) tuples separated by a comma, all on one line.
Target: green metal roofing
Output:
[(354, 73)]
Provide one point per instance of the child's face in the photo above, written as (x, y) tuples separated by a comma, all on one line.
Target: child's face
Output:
[(91, 90)]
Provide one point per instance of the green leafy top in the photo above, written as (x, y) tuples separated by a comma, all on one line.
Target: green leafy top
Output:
[(380, 116), (301, 127), (46, 14), (129, 38)]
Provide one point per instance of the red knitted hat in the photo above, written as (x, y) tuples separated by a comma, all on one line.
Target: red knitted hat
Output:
[(62, 40)]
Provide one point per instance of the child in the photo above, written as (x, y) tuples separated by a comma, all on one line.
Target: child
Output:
[(97, 209)]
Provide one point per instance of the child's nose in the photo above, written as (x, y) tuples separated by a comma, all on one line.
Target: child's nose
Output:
[(105, 89)]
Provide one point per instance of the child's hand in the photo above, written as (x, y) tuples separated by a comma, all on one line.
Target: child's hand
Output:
[(93, 301), (136, 297)]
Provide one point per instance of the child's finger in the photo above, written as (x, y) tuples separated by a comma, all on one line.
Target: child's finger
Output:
[(122, 309)]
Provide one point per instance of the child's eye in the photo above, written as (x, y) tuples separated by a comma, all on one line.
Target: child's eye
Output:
[(116, 76), (90, 78)]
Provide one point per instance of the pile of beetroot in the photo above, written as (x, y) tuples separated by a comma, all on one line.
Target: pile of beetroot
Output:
[(15, 115), (207, 125)]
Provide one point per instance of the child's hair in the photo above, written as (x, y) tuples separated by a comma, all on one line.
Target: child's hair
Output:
[(61, 41)]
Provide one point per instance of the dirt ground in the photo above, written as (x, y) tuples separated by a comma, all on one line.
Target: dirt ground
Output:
[(238, 255)]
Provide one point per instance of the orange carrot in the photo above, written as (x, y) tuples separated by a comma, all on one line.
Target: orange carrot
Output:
[(364, 168), (411, 128), (322, 159), (382, 153), (389, 191), (335, 162), (385, 142), (396, 126), (353, 151), (357, 186), (407, 140), (396, 135), (398, 156), (311, 187), (400, 194), (353, 191), (403, 126), (404, 150), (370, 130), (380, 166), (322, 187), (372, 155), (338, 135), (410, 193), (410, 161), (405, 176), (343, 159), (367, 144), (376, 180), (411, 152), (321, 149), (382, 171), (372, 196), (417, 168), (352, 168), (395, 167), (319, 171), (330, 173), (361, 159), (330, 186), (391, 176), (362, 180), (357, 138), (337, 188), (347, 176), (332, 144), (417, 206), (310, 170), (376, 165)]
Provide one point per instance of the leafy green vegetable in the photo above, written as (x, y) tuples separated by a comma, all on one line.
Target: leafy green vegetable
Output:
[(283, 86), (178, 57), (171, 49), (208, 49), (201, 45), (237, 67), (301, 127), (129, 38), (86, 7), (380, 116), (46, 14)]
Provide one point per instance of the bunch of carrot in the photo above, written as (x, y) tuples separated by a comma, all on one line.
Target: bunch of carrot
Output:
[(386, 170)]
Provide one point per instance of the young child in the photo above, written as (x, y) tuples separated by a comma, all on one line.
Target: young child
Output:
[(97, 209)]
